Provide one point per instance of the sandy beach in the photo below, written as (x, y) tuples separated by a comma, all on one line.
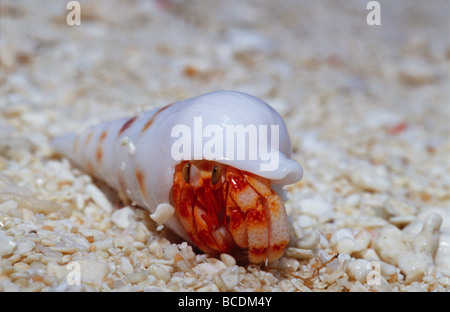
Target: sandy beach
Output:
[(366, 106)]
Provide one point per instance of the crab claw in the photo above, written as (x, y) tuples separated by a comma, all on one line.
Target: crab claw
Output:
[(226, 210)]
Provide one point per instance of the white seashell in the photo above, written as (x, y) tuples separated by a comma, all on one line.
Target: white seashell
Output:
[(138, 155)]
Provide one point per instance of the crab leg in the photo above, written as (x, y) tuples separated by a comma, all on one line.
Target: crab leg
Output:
[(236, 224), (258, 219), (184, 204), (279, 234), (258, 228)]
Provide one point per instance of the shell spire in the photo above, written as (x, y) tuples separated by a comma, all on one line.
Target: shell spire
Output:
[(65, 144)]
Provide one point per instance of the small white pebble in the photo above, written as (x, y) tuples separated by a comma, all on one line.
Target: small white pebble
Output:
[(359, 270), (442, 256), (383, 286), (341, 234), (162, 213), (348, 246), (159, 272), (159, 228), (8, 286), (125, 266), (398, 207), (135, 277), (309, 241), (353, 200), (363, 238), (230, 277), (80, 201), (208, 288), (138, 245), (370, 180), (66, 175), (20, 266), (299, 253), (289, 264), (123, 240), (286, 286), (317, 208), (121, 217), (207, 269), (428, 239), (170, 252), (305, 221), (92, 270), (103, 245), (40, 181), (228, 260), (7, 245), (98, 197), (388, 270), (358, 287), (24, 246), (8, 205), (345, 242), (141, 232), (184, 265), (155, 248)]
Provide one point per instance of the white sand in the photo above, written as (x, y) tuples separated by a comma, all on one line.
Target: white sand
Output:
[(367, 108)]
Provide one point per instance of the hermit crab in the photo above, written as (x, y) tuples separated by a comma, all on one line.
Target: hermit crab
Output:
[(220, 159)]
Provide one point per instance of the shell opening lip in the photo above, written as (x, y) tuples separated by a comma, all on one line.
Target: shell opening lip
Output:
[(291, 173), (287, 172)]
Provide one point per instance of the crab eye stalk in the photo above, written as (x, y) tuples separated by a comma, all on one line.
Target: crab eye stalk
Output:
[(187, 172), (215, 174)]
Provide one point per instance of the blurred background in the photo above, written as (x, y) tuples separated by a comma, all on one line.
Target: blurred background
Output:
[(331, 75), (318, 63), (151, 52)]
